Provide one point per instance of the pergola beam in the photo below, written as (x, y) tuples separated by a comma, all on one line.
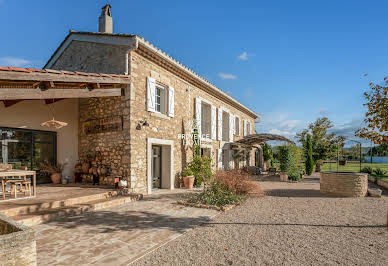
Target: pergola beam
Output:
[(38, 94)]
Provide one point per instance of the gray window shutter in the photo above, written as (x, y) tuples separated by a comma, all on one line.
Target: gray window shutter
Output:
[(245, 128), (198, 113), (151, 85), (231, 131), (170, 101), (219, 123), (213, 122)]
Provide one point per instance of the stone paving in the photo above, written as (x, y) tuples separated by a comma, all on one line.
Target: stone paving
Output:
[(119, 235)]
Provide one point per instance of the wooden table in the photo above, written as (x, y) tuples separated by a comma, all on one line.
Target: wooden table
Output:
[(21, 174)]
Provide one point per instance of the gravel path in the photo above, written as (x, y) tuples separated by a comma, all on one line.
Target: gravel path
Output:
[(293, 225)]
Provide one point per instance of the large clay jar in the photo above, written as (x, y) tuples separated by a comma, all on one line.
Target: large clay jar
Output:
[(85, 167), (56, 178), (283, 177), (188, 181)]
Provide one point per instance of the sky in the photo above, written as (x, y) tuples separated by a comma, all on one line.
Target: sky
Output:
[(289, 61)]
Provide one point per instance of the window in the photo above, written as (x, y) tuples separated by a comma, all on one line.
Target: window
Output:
[(205, 152), (206, 119), (237, 126), (160, 99), (225, 126), (248, 128)]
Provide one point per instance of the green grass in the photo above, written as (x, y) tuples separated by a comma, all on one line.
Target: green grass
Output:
[(353, 167)]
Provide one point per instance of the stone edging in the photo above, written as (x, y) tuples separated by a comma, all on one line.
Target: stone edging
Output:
[(379, 181), (204, 206)]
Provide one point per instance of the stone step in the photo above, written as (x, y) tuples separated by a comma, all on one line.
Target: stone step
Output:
[(36, 207), (47, 215)]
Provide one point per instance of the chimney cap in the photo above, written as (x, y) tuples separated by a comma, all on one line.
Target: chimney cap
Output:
[(106, 10)]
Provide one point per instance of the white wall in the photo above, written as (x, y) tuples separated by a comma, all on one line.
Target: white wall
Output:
[(30, 114)]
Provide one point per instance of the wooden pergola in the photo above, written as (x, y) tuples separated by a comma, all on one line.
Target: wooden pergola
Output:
[(17, 84), (257, 139)]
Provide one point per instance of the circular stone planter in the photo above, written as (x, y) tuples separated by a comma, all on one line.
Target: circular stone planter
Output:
[(344, 184)]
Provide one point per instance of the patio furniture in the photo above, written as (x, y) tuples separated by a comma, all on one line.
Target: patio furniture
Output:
[(18, 178)]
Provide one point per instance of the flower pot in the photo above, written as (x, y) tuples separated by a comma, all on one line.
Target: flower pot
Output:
[(56, 178), (188, 181), (283, 177)]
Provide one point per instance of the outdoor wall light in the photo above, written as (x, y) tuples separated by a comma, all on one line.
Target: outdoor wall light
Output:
[(142, 123)]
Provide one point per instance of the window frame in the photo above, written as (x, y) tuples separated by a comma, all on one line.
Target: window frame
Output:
[(163, 99)]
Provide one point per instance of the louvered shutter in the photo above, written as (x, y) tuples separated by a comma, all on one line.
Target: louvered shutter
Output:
[(230, 127), (219, 158), (151, 85), (245, 128), (198, 113), (219, 123), (170, 101), (213, 122)]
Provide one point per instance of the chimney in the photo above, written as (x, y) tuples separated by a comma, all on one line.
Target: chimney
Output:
[(105, 21)]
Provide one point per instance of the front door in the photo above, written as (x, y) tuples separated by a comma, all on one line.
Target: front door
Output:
[(156, 167)]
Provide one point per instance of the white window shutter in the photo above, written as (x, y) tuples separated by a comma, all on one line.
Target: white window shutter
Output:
[(230, 127), (170, 101), (198, 113), (219, 159), (151, 85), (245, 128), (213, 122), (250, 128), (219, 123)]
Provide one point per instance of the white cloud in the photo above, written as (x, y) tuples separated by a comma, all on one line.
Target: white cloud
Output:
[(14, 61), (323, 112), (284, 133), (243, 56), (289, 124), (227, 76)]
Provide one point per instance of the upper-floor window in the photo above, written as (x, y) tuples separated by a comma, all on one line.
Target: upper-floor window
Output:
[(161, 99), (237, 126), (206, 119)]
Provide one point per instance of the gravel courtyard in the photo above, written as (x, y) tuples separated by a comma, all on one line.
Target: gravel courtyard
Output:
[(292, 225)]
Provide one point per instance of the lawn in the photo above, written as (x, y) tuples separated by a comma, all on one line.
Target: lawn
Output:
[(353, 167)]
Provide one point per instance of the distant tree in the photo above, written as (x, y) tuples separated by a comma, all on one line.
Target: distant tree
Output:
[(309, 163), (376, 117)]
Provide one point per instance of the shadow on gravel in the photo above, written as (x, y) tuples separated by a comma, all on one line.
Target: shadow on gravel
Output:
[(304, 193), (294, 224)]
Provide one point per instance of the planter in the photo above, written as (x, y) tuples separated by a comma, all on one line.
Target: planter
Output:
[(56, 178), (344, 184), (283, 177), (188, 181)]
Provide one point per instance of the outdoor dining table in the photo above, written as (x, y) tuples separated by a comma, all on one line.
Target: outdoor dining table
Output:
[(22, 174)]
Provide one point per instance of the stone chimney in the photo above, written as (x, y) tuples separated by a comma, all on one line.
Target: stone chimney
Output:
[(105, 21)]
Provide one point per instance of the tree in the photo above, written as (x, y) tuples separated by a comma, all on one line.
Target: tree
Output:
[(324, 145), (309, 156), (267, 154), (376, 117)]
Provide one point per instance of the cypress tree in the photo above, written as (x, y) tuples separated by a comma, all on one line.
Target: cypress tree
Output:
[(309, 156)]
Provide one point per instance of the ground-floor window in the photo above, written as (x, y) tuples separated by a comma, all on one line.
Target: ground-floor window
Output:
[(24, 147)]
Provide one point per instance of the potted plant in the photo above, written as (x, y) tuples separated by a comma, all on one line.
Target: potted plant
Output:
[(287, 161), (54, 170), (188, 178)]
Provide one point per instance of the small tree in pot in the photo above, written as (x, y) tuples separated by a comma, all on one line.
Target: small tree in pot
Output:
[(54, 170), (267, 155), (287, 161), (188, 178)]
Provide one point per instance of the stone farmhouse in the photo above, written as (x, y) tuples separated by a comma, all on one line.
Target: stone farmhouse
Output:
[(142, 135)]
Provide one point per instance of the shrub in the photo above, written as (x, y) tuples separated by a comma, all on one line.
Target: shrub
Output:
[(238, 182), (267, 152), (309, 156), (216, 194), (201, 168), (295, 176), (188, 172), (287, 158), (367, 169), (379, 172)]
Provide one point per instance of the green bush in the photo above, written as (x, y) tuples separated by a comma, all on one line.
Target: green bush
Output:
[(379, 172), (367, 169), (188, 172), (295, 176), (201, 168), (309, 156), (216, 194), (287, 156)]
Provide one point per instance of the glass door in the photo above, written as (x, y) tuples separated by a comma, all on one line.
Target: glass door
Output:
[(156, 167)]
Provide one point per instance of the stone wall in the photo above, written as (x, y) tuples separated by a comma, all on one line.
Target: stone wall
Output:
[(164, 127), (344, 184), (17, 243)]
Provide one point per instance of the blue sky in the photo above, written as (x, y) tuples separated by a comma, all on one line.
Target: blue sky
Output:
[(290, 61)]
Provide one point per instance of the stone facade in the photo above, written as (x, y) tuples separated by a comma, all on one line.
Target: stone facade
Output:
[(125, 152), (344, 184), (17, 243)]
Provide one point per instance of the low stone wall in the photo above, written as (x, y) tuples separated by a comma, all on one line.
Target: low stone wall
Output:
[(17, 243), (344, 184)]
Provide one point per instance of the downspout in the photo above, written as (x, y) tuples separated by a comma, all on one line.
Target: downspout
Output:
[(127, 55)]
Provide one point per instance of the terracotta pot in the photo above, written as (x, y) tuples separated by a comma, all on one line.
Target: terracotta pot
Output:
[(283, 177), (188, 181), (56, 178)]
